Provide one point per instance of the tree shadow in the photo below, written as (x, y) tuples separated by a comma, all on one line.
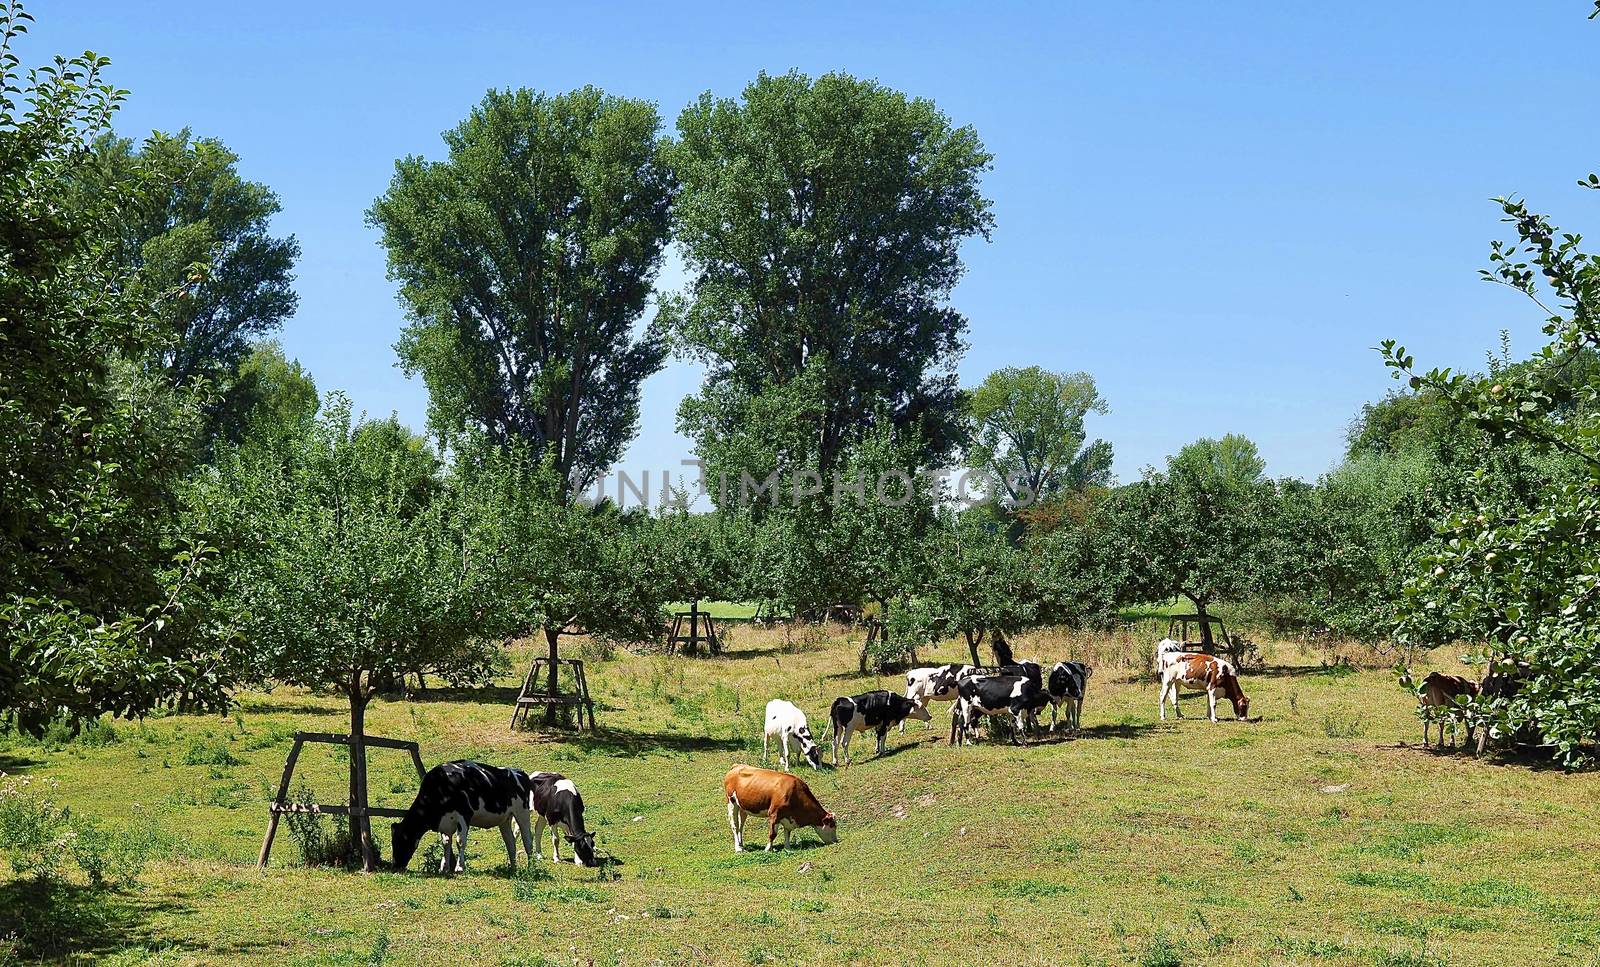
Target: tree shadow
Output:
[(15, 764), (292, 708), (486, 695), (1300, 671), (611, 741), (743, 654), (56, 921), (1119, 730)]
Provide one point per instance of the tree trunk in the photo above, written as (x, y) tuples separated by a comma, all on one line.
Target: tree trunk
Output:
[(694, 627), (1205, 624), (974, 639), (360, 822), (551, 635)]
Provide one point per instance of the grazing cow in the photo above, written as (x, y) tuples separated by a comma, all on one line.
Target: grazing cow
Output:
[(1202, 672), (1013, 695), (786, 721), (1439, 691), (456, 796), (1030, 670), (879, 711), (557, 804), (1068, 682), (936, 684), (784, 799)]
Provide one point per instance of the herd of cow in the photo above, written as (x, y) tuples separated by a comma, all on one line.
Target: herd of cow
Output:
[(458, 796)]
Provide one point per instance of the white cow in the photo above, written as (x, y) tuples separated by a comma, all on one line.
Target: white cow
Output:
[(786, 721), (936, 684)]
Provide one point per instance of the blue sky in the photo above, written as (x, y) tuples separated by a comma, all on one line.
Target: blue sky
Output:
[(1218, 210)]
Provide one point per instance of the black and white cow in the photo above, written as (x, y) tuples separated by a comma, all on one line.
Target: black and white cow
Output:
[(457, 796), (557, 804), (1031, 670), (1014, 695), (879, 711), (935, 684), (1068, 681)]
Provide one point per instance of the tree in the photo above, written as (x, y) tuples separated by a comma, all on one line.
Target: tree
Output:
[(525, 260), (562, 568), (821, 223), (1201, 527), (189, 208), (354, 566), (92, 450), (975, 582), (268, 390), (1028, 437), (1519, 576)]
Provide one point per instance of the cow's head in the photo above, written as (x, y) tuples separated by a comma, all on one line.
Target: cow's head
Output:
[(809, 748), (905, 708), (828, 829), (584, 847), (402, 844), (1241, 701)]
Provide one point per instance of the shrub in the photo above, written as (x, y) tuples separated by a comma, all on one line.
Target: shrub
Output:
[(318, 845), (35, 833), (208, 750)]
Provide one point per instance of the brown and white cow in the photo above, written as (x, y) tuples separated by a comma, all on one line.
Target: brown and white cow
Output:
[(784, 799), (1207, 672)]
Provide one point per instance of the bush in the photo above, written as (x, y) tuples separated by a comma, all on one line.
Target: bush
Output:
[(35, 834), (209, 750), (318, 844)]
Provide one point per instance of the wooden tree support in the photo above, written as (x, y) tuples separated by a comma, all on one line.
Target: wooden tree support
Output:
[(689, 643), (281, 804), (533, 693)]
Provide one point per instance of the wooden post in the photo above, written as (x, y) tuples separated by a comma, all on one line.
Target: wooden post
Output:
[(282, 799), (694, 627), (359, 812)]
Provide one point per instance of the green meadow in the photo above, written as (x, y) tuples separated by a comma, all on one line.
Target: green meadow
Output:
[(1320, 834)]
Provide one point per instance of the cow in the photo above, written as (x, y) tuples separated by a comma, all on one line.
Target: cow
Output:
[(936, 684), (786, 721), (456, 796), (784, 799), (1031, 670), (1202, 672), (1439, 691), (1068, 682), (1013, 695), (557, 804), (877, 710)]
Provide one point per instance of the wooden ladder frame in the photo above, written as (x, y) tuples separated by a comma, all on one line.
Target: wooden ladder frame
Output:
[(689, 643), (533, 695), (281, 804)]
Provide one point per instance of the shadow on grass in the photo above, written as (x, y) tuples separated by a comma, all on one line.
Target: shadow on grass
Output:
[(293, 708), (741, 654), (62, 921), (487, 695), (622, 742), (1302, 671), (15, 764)]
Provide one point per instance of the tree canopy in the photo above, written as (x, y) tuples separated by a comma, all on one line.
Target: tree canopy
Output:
[(526, 259), (1028, 437), (821, 222)]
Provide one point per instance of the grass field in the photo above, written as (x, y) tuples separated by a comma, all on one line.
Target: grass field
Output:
[(1320, 834)]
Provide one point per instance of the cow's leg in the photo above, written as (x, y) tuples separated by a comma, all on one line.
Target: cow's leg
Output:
[(1211, 703), (765, 735), (736, 823), (447, 862), (538, 838), (836, 738), (845, 741), (1020, 737), (772, 827), (510, 837), (525, 828), (883, 735), (461, 854), (555, 843), (1161, 702)]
